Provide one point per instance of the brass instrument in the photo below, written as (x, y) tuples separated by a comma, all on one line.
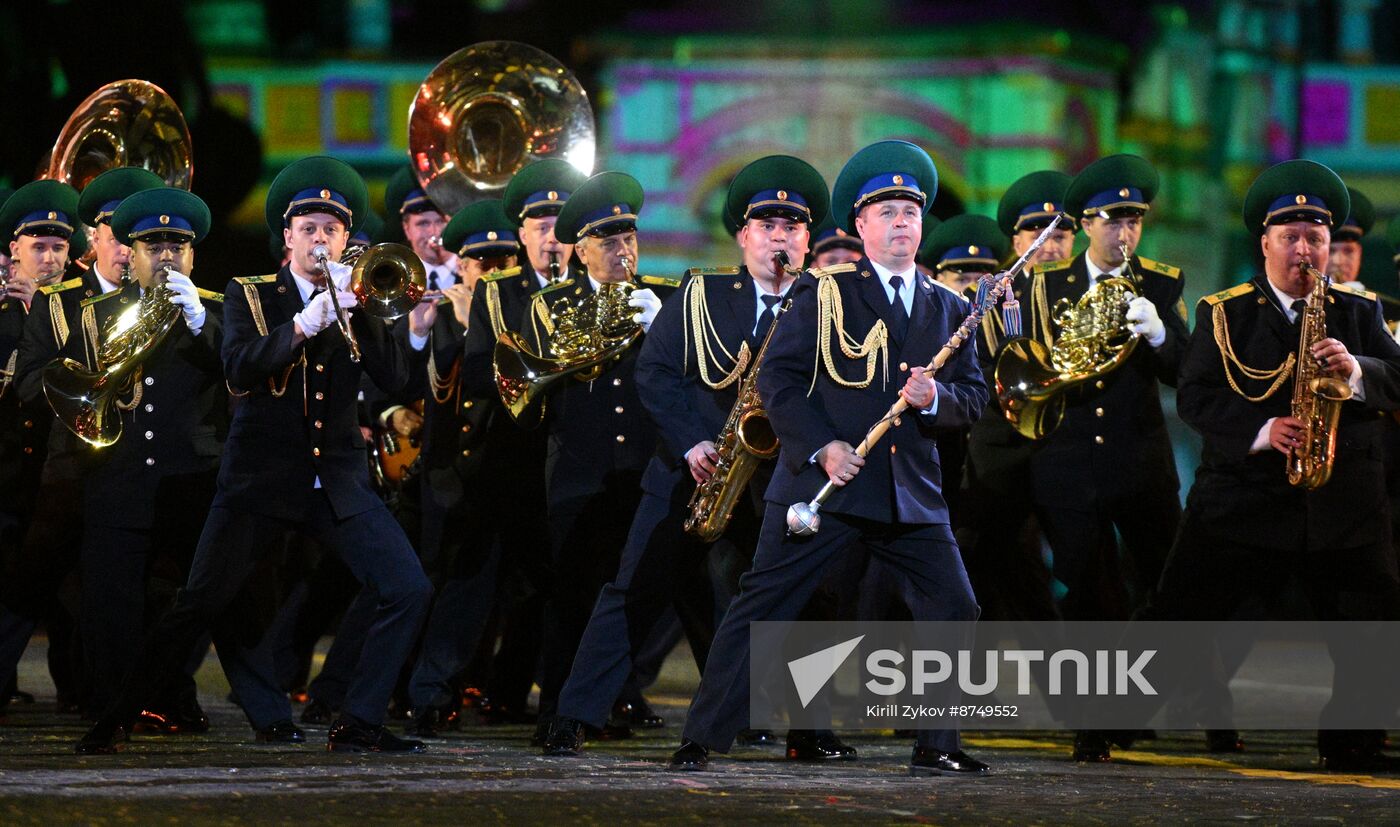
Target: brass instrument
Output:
[(388, 280), (746, 439), (86, 401), (1317, 397), (489, 109), (586, 337), (127, 123), (1031, 379)]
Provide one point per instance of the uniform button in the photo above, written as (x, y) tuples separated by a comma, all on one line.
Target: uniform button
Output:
[(29, 423), (617, 383), (320, 368), (466, 428), (320, 396), (618, 409), (150, 407), (894, 449), (28, 449), (1098, 412), (315, 452), (466, 406), (317, 423), (150, 460), (150, 435), (150, 380), (904, 366), (1098, 440), (1098, 383), (466, 453), (621, 438)]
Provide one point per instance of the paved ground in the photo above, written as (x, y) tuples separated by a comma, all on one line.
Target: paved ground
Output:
[(489, 775)]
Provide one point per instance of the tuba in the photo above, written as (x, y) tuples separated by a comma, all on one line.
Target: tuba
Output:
[(127, 123), (86, 401), (746, 440), (1031, 379), (585, 338), (489, 109), (1317, 397)]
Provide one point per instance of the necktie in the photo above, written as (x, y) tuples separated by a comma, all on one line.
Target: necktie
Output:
[(1298, 307), (901, 316), (768, 316), (314, 293), (432, 280)]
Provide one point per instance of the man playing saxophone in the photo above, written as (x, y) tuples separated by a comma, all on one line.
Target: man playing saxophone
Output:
[(1246, 529), (689, 376)]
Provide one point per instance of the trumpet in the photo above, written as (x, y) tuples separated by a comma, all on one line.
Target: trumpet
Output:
[(342, 318)]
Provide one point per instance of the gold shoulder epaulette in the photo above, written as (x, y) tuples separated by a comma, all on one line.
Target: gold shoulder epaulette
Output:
[(1158, 267), (91, 300), (1234, 292), (823, 272), (1349, 287), (660, 281), (712, 271), (497, 275), (1052, 266), (550, 289), (50, 289), (267, 279), (938, 283), (209, 295)]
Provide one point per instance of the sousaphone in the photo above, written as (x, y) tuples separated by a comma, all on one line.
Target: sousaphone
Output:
[(489, 109), (127, 123)]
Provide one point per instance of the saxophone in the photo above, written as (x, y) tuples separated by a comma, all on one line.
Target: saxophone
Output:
[(746, 439), (1317, 397)]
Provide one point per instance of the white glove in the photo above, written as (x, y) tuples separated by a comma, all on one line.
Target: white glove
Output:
[(184, 294), (1396, 334), (340, 273), (319, 314), (1142, 319), (648, 304)]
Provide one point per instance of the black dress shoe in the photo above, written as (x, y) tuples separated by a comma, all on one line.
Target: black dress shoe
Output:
[(691, 757), (350, 734), (541, 731), (317, 712), (756, 738), (18, 697), (638, 715), (565, 738), (280, 732), (817, 745), (105, 738), (937, 762), (189, 716), (1224, 740), (1091, 747), (427, 722)]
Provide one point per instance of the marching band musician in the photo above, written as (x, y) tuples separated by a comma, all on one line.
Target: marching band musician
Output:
[(38, 220), (295, 461), (892, 499), (1344, 258), (485, 241), (689, 377), (832, 245), (422, 224), (1246, 529), (600, 437), (145, 497)]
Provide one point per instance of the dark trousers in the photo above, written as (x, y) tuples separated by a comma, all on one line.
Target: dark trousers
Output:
[(1084, 545), (373, 546), (786, 571), (658, 563), (492, 549), (1208, 577)]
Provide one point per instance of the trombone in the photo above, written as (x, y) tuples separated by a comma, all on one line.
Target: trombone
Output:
[(342, 318)]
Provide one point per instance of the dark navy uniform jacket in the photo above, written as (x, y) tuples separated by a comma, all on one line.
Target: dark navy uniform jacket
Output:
[(178, 424), (299, 421), (1246, 497), (902, 481)]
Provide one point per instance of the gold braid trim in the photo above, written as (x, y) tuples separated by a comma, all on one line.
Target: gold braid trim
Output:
[(255, 305), (698, 320), (831, 317), (90, 335), (1279, 375), (989, 332), (59, 320), (135, 393), (1042, 310), (493, 308), (543, 316), (443, 388), (8, 374)]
